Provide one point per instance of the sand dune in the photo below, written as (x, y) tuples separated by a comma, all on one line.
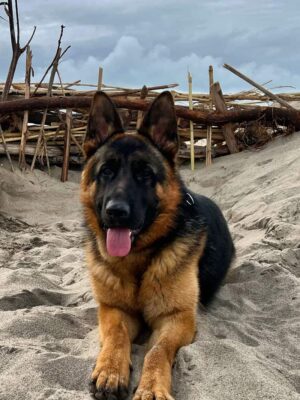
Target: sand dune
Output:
[(247, 346)]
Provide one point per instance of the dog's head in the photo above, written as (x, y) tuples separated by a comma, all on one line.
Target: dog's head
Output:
[(129, 186)]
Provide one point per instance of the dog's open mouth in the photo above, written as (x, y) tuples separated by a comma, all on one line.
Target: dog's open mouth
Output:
[(119, 241)]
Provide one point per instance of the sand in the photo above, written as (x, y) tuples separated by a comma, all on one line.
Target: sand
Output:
[(247, 345)]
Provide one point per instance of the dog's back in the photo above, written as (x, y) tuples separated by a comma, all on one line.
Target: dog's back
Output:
[(219, 250), (197, 214)]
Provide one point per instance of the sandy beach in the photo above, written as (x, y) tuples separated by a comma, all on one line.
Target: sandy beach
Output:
[(247, 345)]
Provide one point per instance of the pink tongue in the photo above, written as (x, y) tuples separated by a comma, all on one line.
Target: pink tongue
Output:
[(118, 242)]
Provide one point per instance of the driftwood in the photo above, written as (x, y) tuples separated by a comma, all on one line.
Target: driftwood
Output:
[(192, 144), (199, 116), (100, 78), (22, 162), (219, 102), (209, 127), (6, 151), (67, 139), (259, 87), (55, 153), (140, 114)]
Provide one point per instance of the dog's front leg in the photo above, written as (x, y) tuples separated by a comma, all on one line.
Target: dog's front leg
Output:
[(111, 374), (169, 334)]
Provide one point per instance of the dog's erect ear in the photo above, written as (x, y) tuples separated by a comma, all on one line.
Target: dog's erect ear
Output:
[(160, 125), (104, 121)]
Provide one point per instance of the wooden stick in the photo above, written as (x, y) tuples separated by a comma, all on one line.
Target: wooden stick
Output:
[(190, 83), (48, 135), (209, 127), (261, 88), (65, 168), (100, 78), (53, 151), (220, 105), (42, 132), (61, 83), (22, 161), (71, 135), (55, 60), (76, 83), (159, 87), (46, 153), (6, 149), (78, 145), (140, 114)]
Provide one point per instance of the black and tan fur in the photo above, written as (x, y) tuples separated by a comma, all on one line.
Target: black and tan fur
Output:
[(180, 253)]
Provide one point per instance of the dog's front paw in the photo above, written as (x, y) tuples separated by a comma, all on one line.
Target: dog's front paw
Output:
[(110, 379), (153, 391)]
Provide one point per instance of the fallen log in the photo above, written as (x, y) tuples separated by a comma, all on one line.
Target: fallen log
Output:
[(199, 116)]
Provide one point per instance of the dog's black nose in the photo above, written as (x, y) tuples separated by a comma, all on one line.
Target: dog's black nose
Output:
[(117, 209)]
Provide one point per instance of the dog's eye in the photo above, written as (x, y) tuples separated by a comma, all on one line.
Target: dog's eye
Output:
[(108, 171), (144, 173)]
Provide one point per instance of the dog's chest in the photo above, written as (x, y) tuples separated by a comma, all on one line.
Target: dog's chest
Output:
[(153, 293)]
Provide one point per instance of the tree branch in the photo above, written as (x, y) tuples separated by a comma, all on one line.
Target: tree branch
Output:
[(15, 44), (29, 41), (64, 52), (10, 13), (18, 23), (58, 55)]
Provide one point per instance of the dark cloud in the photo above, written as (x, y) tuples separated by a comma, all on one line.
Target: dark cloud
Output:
[(156, 42)]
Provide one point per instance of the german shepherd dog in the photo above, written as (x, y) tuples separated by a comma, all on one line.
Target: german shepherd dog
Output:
[(154, 249)]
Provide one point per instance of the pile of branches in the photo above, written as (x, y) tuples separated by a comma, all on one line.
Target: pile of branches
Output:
[(234, 126), (46, 122)]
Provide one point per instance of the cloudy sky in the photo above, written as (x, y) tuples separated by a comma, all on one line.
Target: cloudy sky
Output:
[(156, 42)]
